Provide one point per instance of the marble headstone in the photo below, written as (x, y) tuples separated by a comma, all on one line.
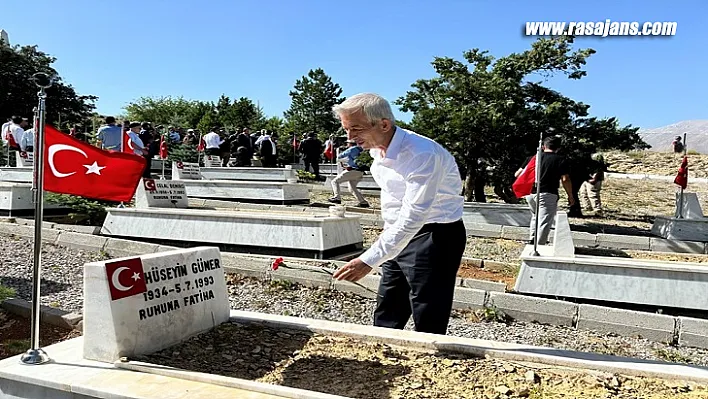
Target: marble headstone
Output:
[(24, 159), (154, 193), (140, 305), (690, 207), (562, 237), (212, 161), (185, 171)]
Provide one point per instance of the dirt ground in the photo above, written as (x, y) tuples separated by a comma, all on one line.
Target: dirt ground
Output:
[(15, 334), (353, 368)]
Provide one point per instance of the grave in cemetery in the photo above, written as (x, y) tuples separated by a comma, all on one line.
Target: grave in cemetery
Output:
[(325, 168), (264, 192), (281, 234), (687, 224), (558, 272), (366, 183), (155, 193), (16, 174), (24, 159), (498, 214), (16, 200), (249, 174), (212, 161)]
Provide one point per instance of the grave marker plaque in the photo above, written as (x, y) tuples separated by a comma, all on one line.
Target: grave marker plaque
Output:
[(212, 161), (24, 159), (185, 171), (143, 304), (161, 194)]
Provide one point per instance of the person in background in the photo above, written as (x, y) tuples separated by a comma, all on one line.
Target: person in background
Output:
[(213, 142), (311, 149), (4, 130), (267, 150), (590, 189), (351, 174), (190, 138), (133, 133), (109, 136), (554, 169), (225, 147), (27, 142), (244, 141)]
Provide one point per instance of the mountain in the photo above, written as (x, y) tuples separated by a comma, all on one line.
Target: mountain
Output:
[(660, 138)]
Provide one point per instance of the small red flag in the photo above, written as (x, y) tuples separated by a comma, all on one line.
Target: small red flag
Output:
[(523, 185), (163, 147), (682, 176), (125, 278), (202, 145), (78, 168), (328, 153), (128, 143), (11, 141), (295, 142)]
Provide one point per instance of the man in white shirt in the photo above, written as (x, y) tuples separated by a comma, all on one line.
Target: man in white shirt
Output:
[(213, 142), (27, 142), (421, 247), (5, 129), (16, 130)]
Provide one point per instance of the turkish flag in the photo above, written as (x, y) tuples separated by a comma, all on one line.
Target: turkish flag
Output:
[(682, 176), (127, 143), (78, 168), (523, 185), (125, 278), (328, 152), (163, 147), (295, 142), (202, 144), (11, 141)]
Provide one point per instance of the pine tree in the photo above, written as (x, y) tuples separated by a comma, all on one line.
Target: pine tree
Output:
[(312, 100)]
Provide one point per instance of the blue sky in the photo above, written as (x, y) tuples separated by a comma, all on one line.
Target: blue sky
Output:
[(122, 50)]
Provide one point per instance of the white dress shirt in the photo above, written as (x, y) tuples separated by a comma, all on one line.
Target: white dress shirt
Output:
[(4, 129), (420, 183), (27, 139), (264, 138), (16, 131), (212, 140)]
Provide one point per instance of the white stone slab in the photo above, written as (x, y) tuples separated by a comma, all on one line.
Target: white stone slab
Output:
[(681, 229), (250, 174), (212, 161), (562, 237), (140, 305), (248, 191), (366, 183), (498, 214), (186, 171), (318, 236), (24, 159), (17, 175), (325, 168), (16, 199), (646, 282), (690, 207), (154, 193)]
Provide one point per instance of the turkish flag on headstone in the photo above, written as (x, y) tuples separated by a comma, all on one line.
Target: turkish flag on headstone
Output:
[(78, 168), (682, 176), (125, 278), (523, 185)]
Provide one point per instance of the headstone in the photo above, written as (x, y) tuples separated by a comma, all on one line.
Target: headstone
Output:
[(139, 305), (562, 237), (185, 171), (212, 161), (690, 206), (24, 159), (153, 193)]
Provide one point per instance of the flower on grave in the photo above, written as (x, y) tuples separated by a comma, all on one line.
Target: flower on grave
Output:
[(277, 263)]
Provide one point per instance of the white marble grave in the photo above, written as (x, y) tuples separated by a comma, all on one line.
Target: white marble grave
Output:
[(692, 226), (212, 161), (17, 175), (268, 192), (24, 159), (250, 174), (139, 305), (16, 200), (366, 183), (325, 168), (499, 214), (283, 234), (154, 193), (186, 171)]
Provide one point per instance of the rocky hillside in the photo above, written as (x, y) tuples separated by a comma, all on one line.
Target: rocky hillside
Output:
[(696, 135), (656, 163)]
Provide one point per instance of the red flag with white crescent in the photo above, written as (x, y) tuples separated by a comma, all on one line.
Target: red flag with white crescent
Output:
[(128, 143), (523, 185), (163, 147), (682, 176), (78, 168)]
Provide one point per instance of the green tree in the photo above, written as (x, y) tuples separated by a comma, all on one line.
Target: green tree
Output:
[(206, 123), (166, 111), (491, 113), (18, 94), (313, 97)]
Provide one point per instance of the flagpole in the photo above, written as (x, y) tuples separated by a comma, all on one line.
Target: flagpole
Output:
[(199, 153), (539, 154), (35, 355), (680, 207)]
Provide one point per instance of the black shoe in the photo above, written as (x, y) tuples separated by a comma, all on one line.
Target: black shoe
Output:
[(363, 205), (335, 200)]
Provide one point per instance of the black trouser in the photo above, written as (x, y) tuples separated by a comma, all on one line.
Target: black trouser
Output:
[(421, 279), (315, 166), (147, 172), (212, 151)]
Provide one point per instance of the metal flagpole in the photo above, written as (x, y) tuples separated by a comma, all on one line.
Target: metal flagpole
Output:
[(35, 355), (537, 182), (680, 204)]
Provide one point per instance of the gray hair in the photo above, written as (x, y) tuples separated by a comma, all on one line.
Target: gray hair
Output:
[(374, 107)]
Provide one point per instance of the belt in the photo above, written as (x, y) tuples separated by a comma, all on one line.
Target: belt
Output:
[(433, 227)]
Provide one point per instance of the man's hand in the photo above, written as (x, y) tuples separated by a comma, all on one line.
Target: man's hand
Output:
[(353, 271)]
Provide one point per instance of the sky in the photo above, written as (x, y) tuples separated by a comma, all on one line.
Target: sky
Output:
[(123, 50)]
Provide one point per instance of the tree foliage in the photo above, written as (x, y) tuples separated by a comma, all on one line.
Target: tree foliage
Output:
[(313, 97), (491, 113), (18, 94)]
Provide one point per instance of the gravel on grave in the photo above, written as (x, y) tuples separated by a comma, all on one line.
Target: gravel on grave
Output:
[(288, 299), (358, 369), (62, 272)]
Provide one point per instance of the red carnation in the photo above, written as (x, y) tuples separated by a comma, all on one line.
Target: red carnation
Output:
[(276, 263)]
